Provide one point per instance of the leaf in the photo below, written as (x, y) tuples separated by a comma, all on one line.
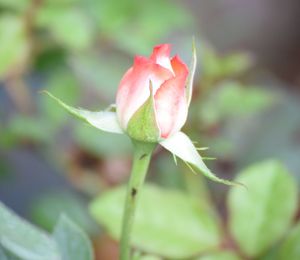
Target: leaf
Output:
[(5, 255), (261, 215), (103, 120), (47, 209), (222, 255), (192, 69), (72, 242), (168, 222), (142, 125), (23, 239), (180, 145), (290, 248)]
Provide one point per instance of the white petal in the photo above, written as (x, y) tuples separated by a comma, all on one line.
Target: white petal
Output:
[(165, 62), (103, 120), (180, 145)]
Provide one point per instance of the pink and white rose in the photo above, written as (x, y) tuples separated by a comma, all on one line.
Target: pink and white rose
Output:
[(168, 77)]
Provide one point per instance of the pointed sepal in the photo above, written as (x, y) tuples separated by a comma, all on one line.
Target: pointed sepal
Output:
[(180, 145), (103, 120), (143, 126), (192, 69)]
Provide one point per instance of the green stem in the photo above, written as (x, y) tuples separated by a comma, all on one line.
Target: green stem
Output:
[(141, 160)]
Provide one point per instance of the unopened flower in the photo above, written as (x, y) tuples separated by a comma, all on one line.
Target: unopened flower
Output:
[(152, 101), (152, 106)]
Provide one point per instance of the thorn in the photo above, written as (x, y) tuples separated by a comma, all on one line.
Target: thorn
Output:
[(190, 167), (242, 185), (209, 158), (111, 108), (175, 159), (202, 148), (43, 91)]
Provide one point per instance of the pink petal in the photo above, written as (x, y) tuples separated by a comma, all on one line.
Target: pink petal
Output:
[(179, 67), (160, 55), (133, 90), (171, 106)]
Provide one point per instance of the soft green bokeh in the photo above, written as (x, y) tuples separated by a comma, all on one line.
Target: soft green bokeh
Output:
[(290, 248), (260, 215), (222, 255), (168, 222), (14, 44)]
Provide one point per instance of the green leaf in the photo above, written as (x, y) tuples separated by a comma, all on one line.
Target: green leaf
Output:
[(23, 239), (290, 248), (48, 207), (14, 45), (5, 255), (192, 69), (168, 222), (142, 125), (103, 120), (222, 255), (180, 145), (261, 214), (72, 242)]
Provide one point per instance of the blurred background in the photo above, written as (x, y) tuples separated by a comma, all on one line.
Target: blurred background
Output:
[(246, 102)]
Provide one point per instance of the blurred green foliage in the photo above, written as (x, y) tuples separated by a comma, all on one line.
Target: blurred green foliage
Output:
[(232, 100), (47, 209), (290, 248), (21, 240), (270, 203), (164, 217), (159, 226)]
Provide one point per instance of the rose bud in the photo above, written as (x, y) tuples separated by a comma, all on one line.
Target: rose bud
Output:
[(152, 101), (152, 106)]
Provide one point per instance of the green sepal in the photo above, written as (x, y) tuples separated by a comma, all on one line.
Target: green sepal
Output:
[(180, 145), (104, 120), (192, 70), (143, 126)]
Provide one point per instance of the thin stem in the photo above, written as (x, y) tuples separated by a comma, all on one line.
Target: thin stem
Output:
[(141, 160)]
